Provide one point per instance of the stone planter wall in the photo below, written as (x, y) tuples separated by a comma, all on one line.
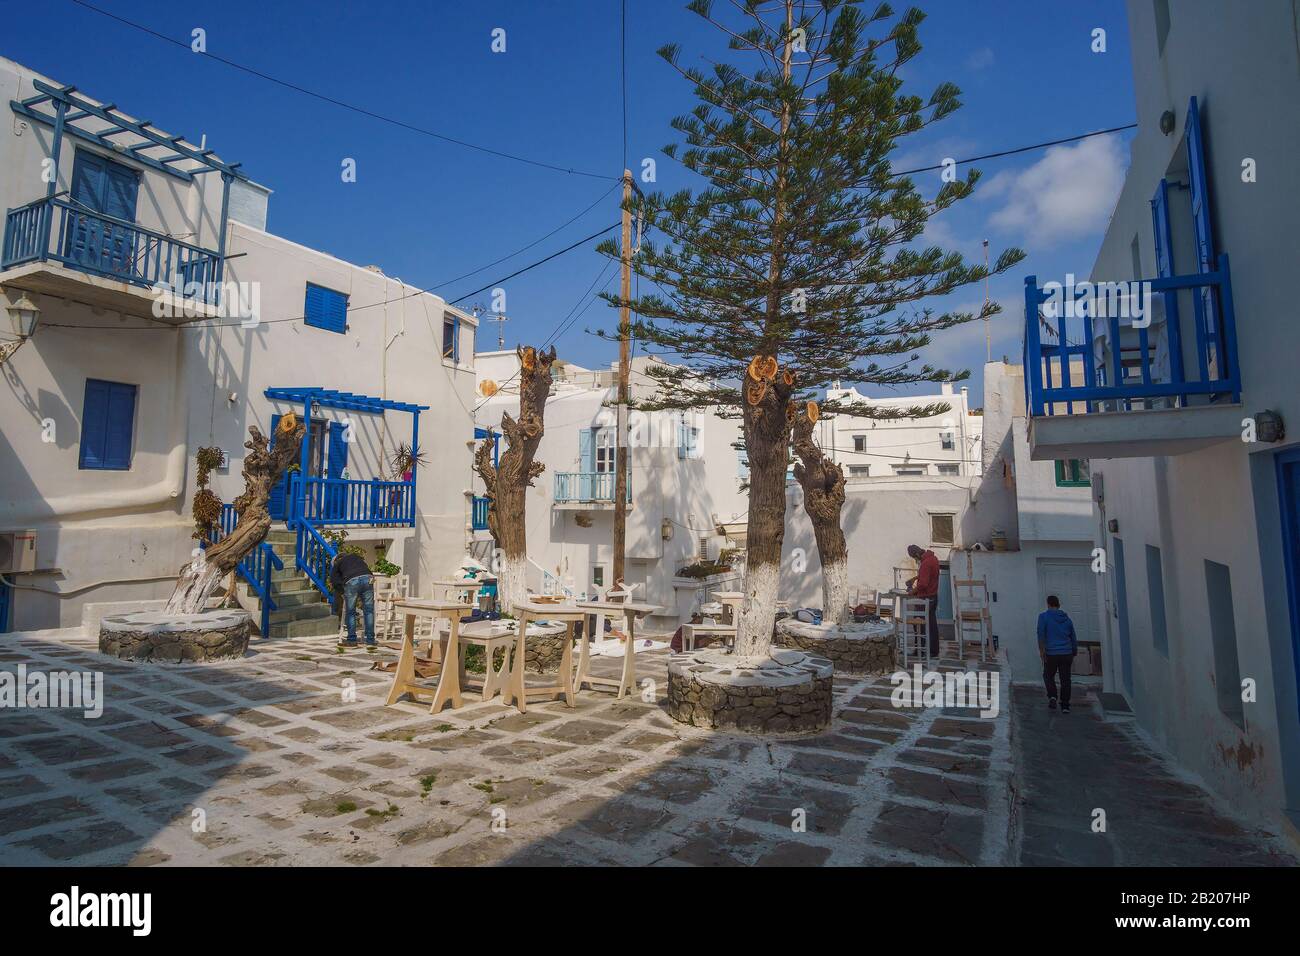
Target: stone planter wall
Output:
[(790, 692), (175, 638), (852, 648)]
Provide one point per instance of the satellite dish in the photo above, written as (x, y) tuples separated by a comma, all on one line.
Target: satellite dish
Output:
[(487, 388)]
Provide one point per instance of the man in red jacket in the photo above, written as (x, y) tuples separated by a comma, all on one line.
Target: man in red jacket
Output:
[(926, 585)]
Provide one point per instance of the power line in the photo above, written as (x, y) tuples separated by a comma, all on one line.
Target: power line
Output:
[(1019, 149), (337, 102), (371, 305)]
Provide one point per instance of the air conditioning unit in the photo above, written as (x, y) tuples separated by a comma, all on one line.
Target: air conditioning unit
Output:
[(17, 551)]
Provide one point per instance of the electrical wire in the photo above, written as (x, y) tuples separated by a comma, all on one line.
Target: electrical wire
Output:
[(342, 103), (1019, 149)]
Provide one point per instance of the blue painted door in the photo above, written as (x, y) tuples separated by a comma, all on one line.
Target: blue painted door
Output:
[(1121, 612), (1288, 483), (587, 463), (337, 461), (103, 186)]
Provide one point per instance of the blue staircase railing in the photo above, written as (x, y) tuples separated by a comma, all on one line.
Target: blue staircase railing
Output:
[(315, 557), (256, 567)]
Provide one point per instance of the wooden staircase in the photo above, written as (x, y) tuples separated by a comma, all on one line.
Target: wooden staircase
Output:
[(300, 609)]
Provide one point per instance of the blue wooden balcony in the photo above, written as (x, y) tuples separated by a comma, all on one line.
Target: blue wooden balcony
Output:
[(61, 231), (585, 487), (1132, 375), (479, 513)]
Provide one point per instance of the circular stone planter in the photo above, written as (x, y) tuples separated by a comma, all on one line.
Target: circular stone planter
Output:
[(852, 648), (789, 692), (174, 638)]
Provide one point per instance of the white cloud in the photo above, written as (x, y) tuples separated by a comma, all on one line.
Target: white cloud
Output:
[(980, 59), (1067, 194)]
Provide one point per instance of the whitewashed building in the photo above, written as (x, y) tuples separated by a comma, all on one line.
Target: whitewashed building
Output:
[(120, 384), (685, 479), (1191, 421), (946, 445)]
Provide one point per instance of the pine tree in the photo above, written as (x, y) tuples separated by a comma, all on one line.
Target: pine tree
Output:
[(796, 263)]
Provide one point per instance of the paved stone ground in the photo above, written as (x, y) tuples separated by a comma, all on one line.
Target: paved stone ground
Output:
[(284, 770), (1069, 765)]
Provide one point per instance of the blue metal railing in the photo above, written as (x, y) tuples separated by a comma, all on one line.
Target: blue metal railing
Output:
[(1125, 377), (328, 501), (315, 557), (587, 486), (92, 242), (255, 568), (479, 513)]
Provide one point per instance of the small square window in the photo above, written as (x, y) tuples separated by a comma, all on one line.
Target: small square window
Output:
[(948, 469), (451, 337), (326, 309), (1073, 473), (859, 442), (946, 441), (598, 575), (941, 529), (859, 471)]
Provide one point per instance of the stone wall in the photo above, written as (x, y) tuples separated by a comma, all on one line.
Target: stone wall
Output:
[(852, 648), (787, 693), (175, 638)]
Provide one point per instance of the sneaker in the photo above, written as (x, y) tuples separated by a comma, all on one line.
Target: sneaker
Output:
[(371, 643), (1065, 708), (1051, 703), (351, 643)]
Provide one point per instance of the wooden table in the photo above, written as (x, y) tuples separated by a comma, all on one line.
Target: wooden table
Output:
[(733, 600), (464, 588), (517, 691), (404, 682), (602, 609)]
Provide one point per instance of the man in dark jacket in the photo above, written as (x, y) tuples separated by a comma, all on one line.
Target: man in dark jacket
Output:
[(350, 579), (1057, 645), (926, 585)]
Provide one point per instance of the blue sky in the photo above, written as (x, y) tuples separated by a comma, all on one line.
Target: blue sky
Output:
[(428, 211)]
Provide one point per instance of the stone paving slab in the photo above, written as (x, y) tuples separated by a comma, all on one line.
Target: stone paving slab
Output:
[(288, 756), (1070, 765)]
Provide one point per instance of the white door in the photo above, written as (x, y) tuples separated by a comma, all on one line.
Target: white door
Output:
[(1074, 584)]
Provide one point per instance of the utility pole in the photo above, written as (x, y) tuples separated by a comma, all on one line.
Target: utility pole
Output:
[(624, 371)]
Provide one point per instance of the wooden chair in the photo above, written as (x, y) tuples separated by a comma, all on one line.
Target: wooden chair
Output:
[(912, 626), (972, 615)]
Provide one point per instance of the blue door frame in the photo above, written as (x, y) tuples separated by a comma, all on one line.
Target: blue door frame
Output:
[(1288, 487)]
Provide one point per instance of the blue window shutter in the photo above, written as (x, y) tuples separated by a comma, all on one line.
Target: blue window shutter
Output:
[(121, 424), (681, 439), (338, 451), (1199, 188), (326, 309), (587, 449), (107, 425)]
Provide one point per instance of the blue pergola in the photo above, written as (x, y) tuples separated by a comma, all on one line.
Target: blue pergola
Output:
[(348, 401), (68, 113)]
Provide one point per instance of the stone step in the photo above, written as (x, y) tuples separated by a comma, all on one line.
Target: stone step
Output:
[(300, 612), (310, 627), (289, 598), (282, 537)]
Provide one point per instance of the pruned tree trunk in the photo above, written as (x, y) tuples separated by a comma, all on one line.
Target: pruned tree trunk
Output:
[(263, 467), (508, 482), (768, 416), (823, 498)]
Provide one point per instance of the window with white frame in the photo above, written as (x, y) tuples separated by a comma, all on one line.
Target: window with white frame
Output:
[(605, 450), (688, 440), (859, 442), (908, 469), (947, 441), (859, 471), (948, 469), (941, 528)]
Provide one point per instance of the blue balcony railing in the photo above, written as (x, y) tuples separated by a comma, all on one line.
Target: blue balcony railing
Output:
[(582, 486), (1081, 361), (91, 242), (479, 513), (327, 501)]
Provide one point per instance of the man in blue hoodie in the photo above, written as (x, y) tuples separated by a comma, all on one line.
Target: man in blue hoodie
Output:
[(1057, 645)]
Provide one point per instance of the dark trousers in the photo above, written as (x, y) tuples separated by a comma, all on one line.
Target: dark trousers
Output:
[(1053, 665), (934, 626)]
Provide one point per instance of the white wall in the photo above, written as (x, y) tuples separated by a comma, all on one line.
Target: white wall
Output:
[(1219, 504), (122, 535)]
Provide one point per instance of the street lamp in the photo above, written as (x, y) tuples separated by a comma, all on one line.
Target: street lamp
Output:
[(25, 315)]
